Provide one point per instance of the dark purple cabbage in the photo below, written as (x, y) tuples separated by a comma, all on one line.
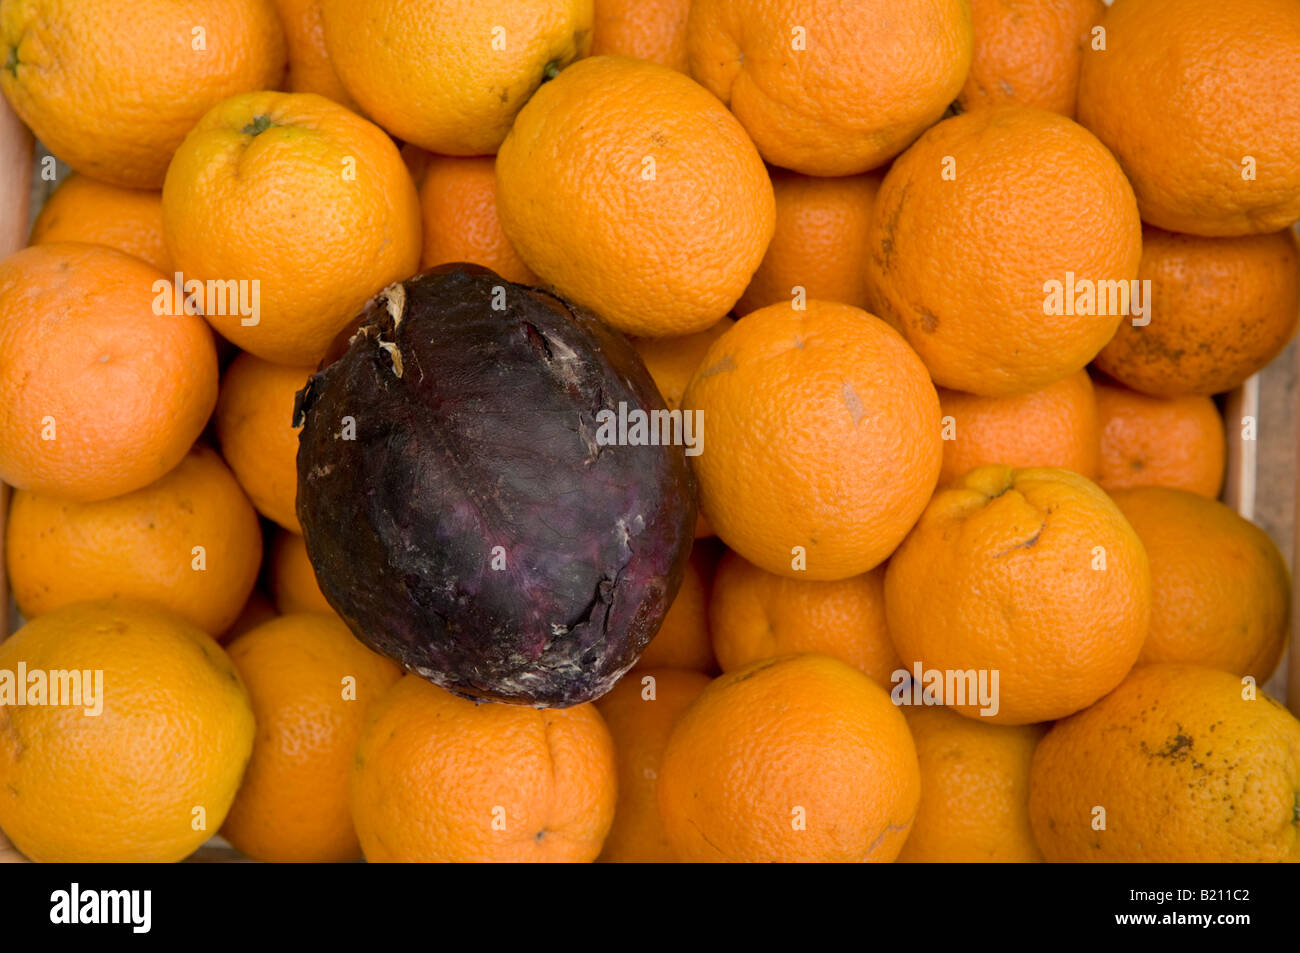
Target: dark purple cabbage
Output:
[(475, 428)]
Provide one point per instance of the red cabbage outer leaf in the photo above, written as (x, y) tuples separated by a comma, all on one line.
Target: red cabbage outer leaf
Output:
[(475, 428)]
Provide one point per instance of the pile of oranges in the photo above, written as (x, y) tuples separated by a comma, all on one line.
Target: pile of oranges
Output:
[(952, 283)]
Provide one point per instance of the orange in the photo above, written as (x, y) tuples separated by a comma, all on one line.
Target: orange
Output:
[(258, 439), (257, 609), (1220, 590), (149, 774), (301, 196), (1193, 96), (100, 394), (1152, 441), (293, 581), (640, 711), (1188, 765), (755, 615), (310, 69), (311, 684), (189, 542), (83, 210), (831, 88), (447, 75), (1032, 576), (441, 778), (683, 639), (1027, 53), (636, 194), (1010, 200), (458, 202), (799, 758), (974, 790), (819, 249), (1054, 426), (856, 421), (647, 29), (1221, 309), (112, 91)]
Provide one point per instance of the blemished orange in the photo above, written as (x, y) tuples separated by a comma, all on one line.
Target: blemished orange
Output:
[(683, 639), (1033, 575), (1220, 590), (442, 778), (828, 88), (254, 422), (1192, 97), (311, 684), (84, 210), (640, 711), (1190, 765), (798, 758), (1154, 441), (1027, 53), (447, 75), (310, 69), (302, 196), (820, 242), (647, 29), (458, 204), (755, 615), (257, 609), (113, 95), (672, 363), (293, 581), (1009, 199), (189, 542), (635, 193), (1054, 426), (101, 394), (151, 776), (857, 422), (974, 790), (1220, 309)]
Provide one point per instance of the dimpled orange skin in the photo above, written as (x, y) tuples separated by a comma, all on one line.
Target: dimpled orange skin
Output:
[(125, 390), (433, 772), (141, 546), (292, 805), (83, 210), (798, 740), (1153, 441), (254, 421), (999, 575), (683, 639), (870, 76), (755, 615), (647, 29), (974, 790), (857, 423), (317, 206), (636, 194), (458, 204), (1186, 768), (450, 76), (310, 69), (293, 581), (1186, 90), (1221, 309), (1220, 590), (175, 733), (1027, 53), (1035, 196), (1055, 426), (114, 95), (820, 243), (640, 715)]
